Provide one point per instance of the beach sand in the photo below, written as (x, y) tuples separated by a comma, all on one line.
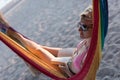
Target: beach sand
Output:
[(53, 23)]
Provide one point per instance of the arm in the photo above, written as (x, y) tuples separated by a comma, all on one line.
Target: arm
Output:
[(60, 60), (52, 50), (60, 52)]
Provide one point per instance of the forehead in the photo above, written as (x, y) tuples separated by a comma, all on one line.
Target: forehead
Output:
[(85, 21)]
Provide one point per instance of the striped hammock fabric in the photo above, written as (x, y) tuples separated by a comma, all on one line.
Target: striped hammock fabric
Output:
[(92, 61)]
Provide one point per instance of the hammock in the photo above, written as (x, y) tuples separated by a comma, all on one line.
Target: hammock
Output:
[(92, 61)]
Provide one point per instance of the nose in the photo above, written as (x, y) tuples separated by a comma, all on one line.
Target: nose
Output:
[(80, 31)]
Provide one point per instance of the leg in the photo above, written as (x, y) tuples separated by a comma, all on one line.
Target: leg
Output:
[(5, 28), (26, 42), (30, 45)]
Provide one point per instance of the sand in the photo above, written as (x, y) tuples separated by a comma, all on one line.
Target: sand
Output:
[(49, 23)]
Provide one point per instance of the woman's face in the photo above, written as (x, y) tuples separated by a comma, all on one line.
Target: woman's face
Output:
[(85, 28)]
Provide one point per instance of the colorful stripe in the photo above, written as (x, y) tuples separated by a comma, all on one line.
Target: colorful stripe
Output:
[(100, 14), (104, 20), (31, 58), (92, 61)]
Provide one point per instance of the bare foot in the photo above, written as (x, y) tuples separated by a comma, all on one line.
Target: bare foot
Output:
[(3, 28)]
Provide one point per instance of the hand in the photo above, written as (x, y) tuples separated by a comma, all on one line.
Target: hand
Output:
[(60, 60)]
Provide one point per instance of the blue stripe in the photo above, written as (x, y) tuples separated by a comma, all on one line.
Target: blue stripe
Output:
[(104, 19)]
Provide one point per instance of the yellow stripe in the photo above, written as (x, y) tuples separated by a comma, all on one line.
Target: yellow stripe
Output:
[(99, 33), (47, 66)]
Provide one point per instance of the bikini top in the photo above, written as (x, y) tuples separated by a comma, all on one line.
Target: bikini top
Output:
[(80, 55)]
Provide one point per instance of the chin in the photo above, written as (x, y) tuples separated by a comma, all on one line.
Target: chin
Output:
[(82, 37)]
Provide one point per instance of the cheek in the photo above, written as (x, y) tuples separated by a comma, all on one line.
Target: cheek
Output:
[(87, 34), (90, 33)]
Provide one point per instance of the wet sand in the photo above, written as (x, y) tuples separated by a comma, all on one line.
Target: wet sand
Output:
[(49, 23)]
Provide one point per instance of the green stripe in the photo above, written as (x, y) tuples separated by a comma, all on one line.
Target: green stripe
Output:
[(104, 20)]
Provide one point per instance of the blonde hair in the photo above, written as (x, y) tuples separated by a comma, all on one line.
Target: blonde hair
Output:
[(87, 13)]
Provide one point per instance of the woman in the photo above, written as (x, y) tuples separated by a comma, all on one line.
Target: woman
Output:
[(69, 59)]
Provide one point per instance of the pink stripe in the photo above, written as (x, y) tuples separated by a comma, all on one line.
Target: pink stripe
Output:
[(82, 74), (91, 52)]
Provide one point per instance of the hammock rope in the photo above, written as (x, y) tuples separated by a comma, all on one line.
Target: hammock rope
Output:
[(92, 61)]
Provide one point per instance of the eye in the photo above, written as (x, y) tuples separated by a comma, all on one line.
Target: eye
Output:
[(84, 26)]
